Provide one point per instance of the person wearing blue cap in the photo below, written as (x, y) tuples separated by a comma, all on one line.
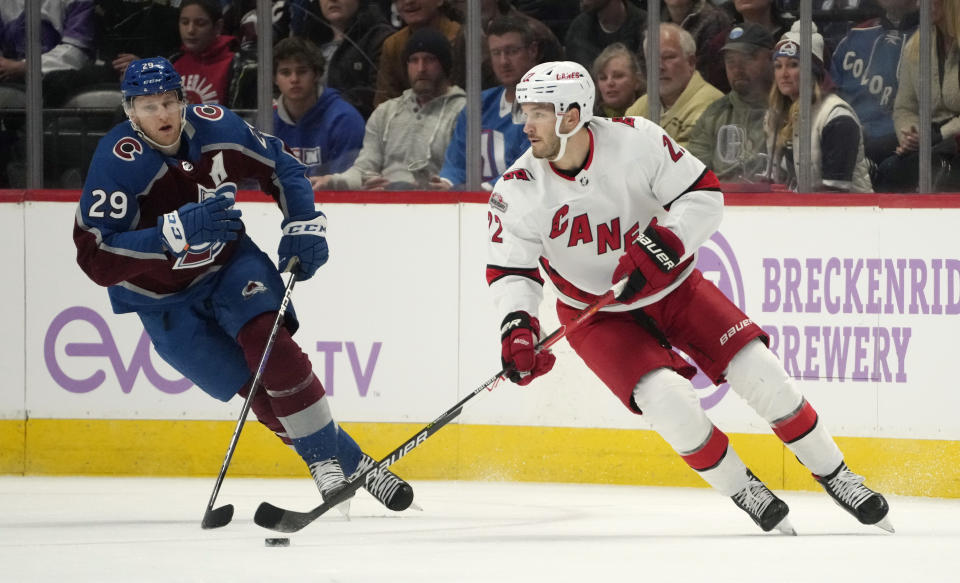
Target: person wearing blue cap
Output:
[(747, 56)]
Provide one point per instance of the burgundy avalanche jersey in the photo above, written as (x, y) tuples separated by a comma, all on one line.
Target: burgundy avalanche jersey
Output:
[(576, 228), (130, 185)]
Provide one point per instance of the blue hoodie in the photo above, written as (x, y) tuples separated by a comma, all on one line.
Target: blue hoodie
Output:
[(503, 141), (864, 68), (327, 138)]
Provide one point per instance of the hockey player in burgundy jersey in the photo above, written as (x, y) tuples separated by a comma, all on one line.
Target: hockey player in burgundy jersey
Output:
[(596, 200), (156, 225)]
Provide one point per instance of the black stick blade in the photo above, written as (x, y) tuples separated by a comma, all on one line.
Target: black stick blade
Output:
[(280, 520), (217, 517)]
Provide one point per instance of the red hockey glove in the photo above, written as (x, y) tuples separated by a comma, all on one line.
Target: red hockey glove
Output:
[(651, 262), (519, 333)]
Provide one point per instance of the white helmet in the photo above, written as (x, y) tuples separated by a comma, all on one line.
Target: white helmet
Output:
[(562, 83)]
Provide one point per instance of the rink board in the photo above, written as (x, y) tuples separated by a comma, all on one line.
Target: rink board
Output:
[(860, 301)]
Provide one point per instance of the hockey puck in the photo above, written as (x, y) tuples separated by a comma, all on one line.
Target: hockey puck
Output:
[(277, 542)]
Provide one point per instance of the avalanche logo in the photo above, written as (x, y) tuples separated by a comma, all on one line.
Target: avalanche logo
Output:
[(199, 255), (716, 260), (127, 149), (252, 288)]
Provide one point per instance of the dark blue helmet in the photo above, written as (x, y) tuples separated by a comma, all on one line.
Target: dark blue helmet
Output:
[(150, 77)]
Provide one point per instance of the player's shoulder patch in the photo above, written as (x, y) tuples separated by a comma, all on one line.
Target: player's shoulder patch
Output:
[(518, 174), (208, 111), (630, 121), (127, 148), (497, 202)]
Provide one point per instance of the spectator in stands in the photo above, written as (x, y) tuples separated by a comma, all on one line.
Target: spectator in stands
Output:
[(66, 39), (416, 14), (600, 24), (865, 67), (702, 20), (762, 12), (546, 43), (124, 29), (620, 81), (749, 65), (683, 92), (837, 159), (207, 57), (900, 172), (406, 136), (240, 20), (351, 34), (513, 52), (324, 131), (555, 14)]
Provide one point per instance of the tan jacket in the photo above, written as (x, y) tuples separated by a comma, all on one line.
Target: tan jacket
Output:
[(945, 94), (679, 119), (392, 76)]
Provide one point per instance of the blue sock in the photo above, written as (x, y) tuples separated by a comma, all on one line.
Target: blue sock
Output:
[(320, 445), (349, 452)]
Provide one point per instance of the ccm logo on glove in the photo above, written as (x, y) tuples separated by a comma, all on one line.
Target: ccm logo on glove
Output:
[(304, 237)]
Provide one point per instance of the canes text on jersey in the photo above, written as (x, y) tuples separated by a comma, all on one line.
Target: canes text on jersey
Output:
[(607, 236)]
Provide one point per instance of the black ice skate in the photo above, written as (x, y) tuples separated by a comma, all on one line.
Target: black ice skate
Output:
[(847, 489), (391, 490), (329, 478), (763, 506)]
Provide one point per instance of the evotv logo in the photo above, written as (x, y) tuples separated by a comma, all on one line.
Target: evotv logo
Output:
[(61, 348)]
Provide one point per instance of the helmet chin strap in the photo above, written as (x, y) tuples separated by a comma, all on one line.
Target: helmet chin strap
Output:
[(564, 136)]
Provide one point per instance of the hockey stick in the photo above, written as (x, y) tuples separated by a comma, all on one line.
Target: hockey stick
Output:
[(217, 517), (274, 518)]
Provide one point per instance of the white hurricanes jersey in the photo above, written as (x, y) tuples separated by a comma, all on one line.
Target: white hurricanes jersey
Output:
[(576, 229)]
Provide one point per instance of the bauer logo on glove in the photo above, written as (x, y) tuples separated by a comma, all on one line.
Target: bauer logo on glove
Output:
[(519, 333)]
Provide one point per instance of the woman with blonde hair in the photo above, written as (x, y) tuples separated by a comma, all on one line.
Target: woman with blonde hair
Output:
[(837, 156), (620, 80)]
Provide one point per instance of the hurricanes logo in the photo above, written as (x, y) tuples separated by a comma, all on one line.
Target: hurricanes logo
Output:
[(198, 89)]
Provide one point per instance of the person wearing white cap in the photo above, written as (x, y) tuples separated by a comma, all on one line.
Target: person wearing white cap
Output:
[(837, 165)]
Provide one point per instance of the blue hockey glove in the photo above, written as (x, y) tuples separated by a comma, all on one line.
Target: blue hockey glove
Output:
[(304, 237), (199, 224)]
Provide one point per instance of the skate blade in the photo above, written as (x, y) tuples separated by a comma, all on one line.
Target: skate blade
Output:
[(415, 506), (344, 508), (886, 525), (785, 527)]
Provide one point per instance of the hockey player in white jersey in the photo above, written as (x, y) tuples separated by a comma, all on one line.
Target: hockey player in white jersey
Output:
[(595, 200)]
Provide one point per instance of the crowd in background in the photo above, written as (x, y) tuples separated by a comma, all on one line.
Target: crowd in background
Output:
[(370, 93)]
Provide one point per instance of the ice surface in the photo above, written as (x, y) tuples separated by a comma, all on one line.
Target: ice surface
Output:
[(148, 529)]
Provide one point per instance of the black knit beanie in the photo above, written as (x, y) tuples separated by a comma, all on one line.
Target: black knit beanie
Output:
[(430, 40)]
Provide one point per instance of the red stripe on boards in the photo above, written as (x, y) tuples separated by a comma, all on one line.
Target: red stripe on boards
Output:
[(734, 195)]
